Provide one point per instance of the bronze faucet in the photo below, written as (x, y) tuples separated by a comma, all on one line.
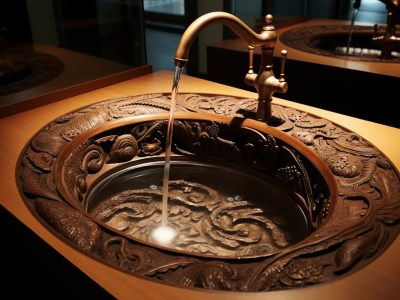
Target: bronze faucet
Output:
[(388, 41), (264, 82)]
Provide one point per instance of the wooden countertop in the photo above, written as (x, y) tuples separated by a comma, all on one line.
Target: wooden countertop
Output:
[(378, 280)]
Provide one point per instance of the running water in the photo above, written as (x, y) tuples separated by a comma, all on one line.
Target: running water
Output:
[(353, 18), (165, 234)]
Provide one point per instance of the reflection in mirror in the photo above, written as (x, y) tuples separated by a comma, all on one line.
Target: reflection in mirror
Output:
[(50, 50)]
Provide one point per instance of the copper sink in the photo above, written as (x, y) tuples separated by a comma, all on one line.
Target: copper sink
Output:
[(258, 207)]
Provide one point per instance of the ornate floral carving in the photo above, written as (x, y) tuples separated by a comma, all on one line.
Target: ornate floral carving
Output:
[(363, 221)]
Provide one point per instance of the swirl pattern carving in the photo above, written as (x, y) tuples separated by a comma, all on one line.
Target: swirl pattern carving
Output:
[(346, 236)]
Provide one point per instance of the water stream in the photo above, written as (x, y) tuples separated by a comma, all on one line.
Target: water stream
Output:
[(201, 207), (165, 234), (353, 18)]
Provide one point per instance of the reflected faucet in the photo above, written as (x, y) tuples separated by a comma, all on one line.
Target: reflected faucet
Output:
[(264, 82), (388, 41)]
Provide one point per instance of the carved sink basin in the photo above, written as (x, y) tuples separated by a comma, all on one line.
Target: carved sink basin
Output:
[(256, 207), (331, 40)]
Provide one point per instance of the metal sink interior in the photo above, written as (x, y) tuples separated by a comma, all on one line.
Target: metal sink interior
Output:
[(257, 207), (217, 211), (230, 190), (331, 40)]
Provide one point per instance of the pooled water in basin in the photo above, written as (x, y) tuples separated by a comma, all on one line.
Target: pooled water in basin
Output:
[(215, 210)]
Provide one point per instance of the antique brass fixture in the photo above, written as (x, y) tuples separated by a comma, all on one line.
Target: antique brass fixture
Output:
[(388, 40), (264, 82)]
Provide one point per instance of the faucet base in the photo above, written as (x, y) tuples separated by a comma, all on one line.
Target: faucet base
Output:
[(273, 121)]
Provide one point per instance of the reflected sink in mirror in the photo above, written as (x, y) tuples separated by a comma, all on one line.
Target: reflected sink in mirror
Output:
[(332, 40), (31, 76), (257, 207), (21, 70)]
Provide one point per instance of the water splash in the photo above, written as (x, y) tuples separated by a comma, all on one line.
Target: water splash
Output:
[(163, 235)]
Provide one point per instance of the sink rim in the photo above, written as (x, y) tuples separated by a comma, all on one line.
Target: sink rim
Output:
[(344, 262)]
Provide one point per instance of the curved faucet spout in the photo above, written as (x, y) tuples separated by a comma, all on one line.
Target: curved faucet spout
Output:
[(264, 82), (266, 38)]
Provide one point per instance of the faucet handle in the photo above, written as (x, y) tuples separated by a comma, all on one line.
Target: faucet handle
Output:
[(251, 54), (250, 77), (375, 30), (268, 20), (283, 62)]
